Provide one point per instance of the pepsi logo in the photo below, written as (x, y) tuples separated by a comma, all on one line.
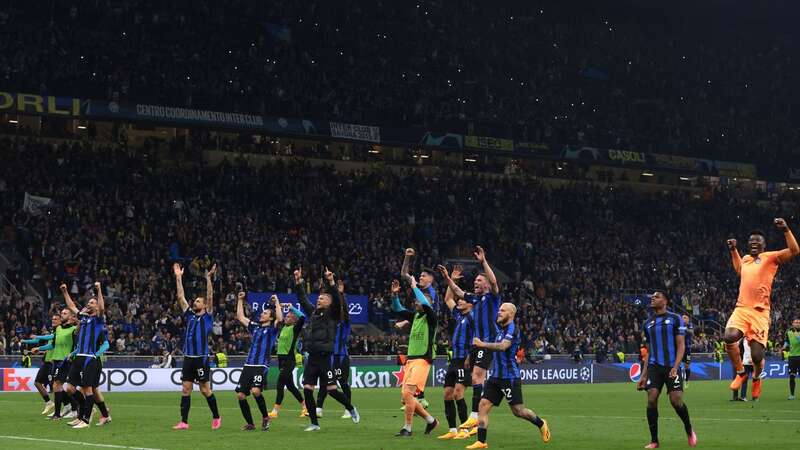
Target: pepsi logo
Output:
[(635, 372)]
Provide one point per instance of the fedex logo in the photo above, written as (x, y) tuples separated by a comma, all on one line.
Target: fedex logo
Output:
[(10, 381)]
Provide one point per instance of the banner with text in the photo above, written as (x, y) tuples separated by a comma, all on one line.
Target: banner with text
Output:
[(358, 305), (45, 105), (356, 132)]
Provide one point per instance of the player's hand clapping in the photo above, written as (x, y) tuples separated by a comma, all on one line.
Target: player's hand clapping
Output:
[(395, 289)]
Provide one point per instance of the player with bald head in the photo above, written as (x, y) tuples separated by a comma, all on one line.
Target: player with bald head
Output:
[(505, 380)]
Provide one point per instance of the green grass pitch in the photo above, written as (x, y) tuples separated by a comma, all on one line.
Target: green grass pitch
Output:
[(600, 416)]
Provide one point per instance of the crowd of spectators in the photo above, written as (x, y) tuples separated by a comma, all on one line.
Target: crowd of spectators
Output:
[(569, 253), (706, 79)]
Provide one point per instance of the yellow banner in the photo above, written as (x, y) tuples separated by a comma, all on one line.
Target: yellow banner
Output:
[(12, 102)]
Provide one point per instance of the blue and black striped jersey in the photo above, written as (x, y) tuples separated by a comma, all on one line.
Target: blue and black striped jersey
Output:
[(661, 334), (485, 313), (463, 333), (198, 328), (504, 363), (263, 338)]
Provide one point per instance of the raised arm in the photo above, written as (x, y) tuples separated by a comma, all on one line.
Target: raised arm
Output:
[(240, 310), (449, 296), (302, 298), (451, 284), (278, 310), (336, 299), (345, 308), (405, 270), (792, 249), (68, 300), (736, 259), (101, 303), (210, 289), (480, 255), (178, 271)]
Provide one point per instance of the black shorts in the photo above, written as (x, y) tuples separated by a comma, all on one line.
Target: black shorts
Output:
[(195, 369), (45, 374), (658, 376), (61, 370), (496, 389), (794, 365), (252, 377), (84, 371), (318, 367), (340, 364), (286, 364), (480, 357), (456, 373)]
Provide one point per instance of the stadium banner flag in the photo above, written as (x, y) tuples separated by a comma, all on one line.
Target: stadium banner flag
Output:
[(489, 143), (358, 304), (35, 204), (355, 132), (44, 105)]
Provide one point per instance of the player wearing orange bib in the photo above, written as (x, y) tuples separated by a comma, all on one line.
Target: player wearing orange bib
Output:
[(750, 318)]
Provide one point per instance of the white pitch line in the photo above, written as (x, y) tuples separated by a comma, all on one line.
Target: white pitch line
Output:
[(704, 419), (88, 444)]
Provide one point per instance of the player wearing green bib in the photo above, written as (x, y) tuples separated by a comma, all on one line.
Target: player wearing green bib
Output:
[(57, 349), (792, 345), (421, 351)]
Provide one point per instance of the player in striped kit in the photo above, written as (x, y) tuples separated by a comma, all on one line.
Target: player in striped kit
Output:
[(198, 322), (664, 334), (455, 381), (505, 381), (485, 299), (253, 379), (85, 368)]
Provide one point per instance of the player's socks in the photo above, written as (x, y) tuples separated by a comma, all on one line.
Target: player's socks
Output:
[(461, 405), (262, 405), (536, 420), (341, 398), (212, 405), (88, 405), (482, 432), (311, 406), (186, 403), (756, 389), (683, 413), (791, 385), (59, 401), (294, 391), (245, 407), (688, 374), (46, 397), (347, 391), (652, 423), (321, 396), (735, 357), (450, 413), (477, 392), (79, 400), (103, 409)]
